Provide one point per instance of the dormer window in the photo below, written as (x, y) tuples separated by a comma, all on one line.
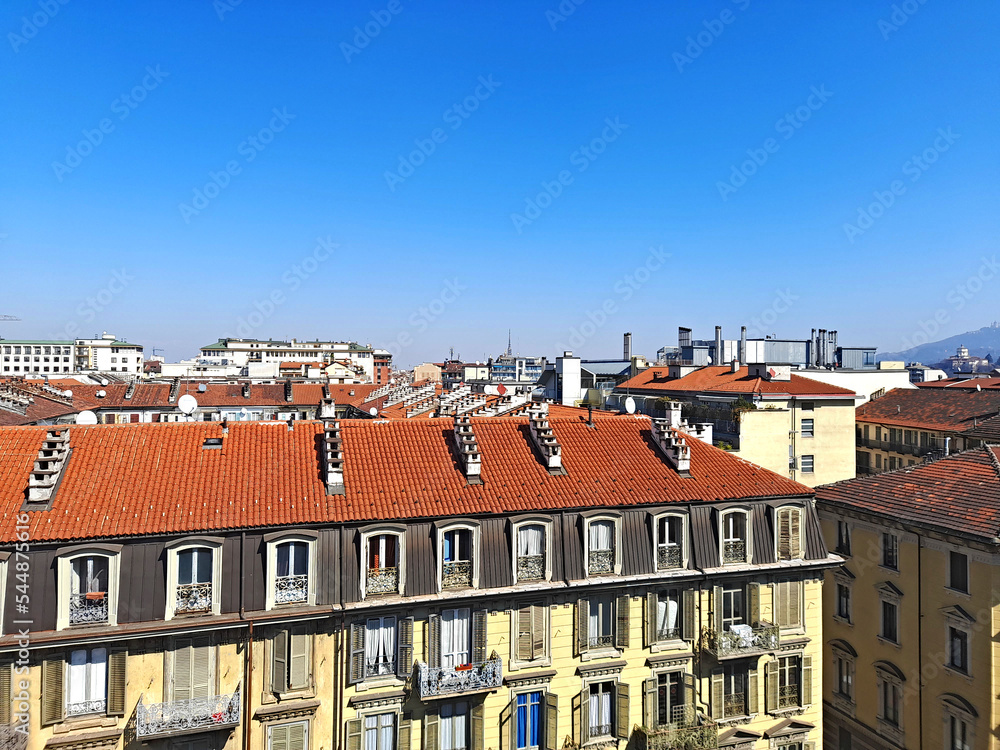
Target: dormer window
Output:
[(88, 586), (194, 577), (789, 533), (735, 541), (291, 585), (532, 558), (671, 551), (601, 547), (458, 566), (382, 564)]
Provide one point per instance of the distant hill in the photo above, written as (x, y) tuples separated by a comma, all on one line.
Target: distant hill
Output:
[(980, 343)]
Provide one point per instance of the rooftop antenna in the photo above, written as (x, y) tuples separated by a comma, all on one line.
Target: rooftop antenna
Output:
[(509, 352)]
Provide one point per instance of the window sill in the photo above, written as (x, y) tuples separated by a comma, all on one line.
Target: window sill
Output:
[(603, 653), (958, 673), (299, 694), (958, 592), (374, 683), (76, 723), (887, 642), (843, 621), (671, 645), (742, 719), (792, 631), (515, 666), (887, 569)]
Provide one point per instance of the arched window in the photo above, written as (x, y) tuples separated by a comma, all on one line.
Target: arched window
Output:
[(789, 533), (88, 586), (671, 542), (382, 551), (735, 542)]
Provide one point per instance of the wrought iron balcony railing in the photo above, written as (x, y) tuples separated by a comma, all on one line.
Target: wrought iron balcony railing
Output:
[(193, 597), (788, 696), (734, 551), (86, 707), (178, 717), (380, 667), (679, 735), (457, 574), (668, 634), (469, 678), (743, 641), (382, 581), (290, 589), (668, 557), (601, 561), (735, 705), (531, 567), (88, 609), (601, 641)]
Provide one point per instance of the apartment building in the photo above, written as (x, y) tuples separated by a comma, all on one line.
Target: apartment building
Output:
[(393, 585), (910, 618), (787, 423), (376, 364), (106, 354)]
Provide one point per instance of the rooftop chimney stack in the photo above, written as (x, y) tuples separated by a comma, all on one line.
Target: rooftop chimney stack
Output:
[(717, 356), (544, 438), (673, 414), (627, 351), (468, 448), (673, 447), (48, 468), (334, 454), (743, 345), (327, 409)]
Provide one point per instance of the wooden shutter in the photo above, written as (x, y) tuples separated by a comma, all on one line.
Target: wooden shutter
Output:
[(752, 705), (649, 712), (298, 659), (784, 534), (279, 737), (622, 620), (279, 662), (201, 669), (690, 694), (794, 531), (5, 693), (771, 686), (552, 722), (689, 610), (650, 623), (753, 603), (622, 726), (354, 730), (181, 673), (807, 681), (507, 733), (404, 733), (53, 674), (404, 647), (793, 606), (434, 640), (478, 636), (524, 634), (582, 625), (297, 736), (718, 694), (581, 707), (117, 661), (357, 648), (431, 734), (717, 607), (477, 724), (538, 630)]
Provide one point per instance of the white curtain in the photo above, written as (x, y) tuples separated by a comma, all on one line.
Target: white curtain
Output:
[(594, 628), (667, 610), (78, 682), (529, 540), (600, 710), (386, 722), (98, 674), (454, 638), (454, 728), (371, 732), (600, 535), (380, 642), (389, 639)]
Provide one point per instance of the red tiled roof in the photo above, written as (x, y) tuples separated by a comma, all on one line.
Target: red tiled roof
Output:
[(960, 492), (721, 379), (971, 384), (135, 479), (931, 408)]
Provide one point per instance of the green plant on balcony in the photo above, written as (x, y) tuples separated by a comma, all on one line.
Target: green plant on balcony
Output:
[(740, 407), (723, 445)]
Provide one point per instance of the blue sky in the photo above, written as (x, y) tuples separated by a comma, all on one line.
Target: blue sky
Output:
[(744, 139)]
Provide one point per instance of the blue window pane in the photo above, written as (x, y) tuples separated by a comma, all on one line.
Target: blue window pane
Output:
[(522, 721)]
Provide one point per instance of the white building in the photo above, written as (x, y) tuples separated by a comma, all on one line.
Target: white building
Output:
[(27, 358), (375, 363)]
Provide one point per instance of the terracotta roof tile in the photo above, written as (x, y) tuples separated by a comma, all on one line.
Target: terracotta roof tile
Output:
[(931, 408), (721, 379)]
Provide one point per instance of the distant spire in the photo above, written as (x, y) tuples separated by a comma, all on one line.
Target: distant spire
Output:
[(509, 352)]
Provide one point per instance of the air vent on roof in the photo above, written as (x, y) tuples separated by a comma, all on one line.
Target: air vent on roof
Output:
[(212, 443), (545, 439)]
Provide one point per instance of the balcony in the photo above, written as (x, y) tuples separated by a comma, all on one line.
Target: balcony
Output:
[(668, 557), (289, 590), (898, 446), (382, 581), (531, 567), (88, 609), (380, 667), (601, 641), (679, 736), (734, 551), (86, 707), (183, 717), (742, 640), (193, 597), (456, 574), (434, 682), (735, 705), (788, 696), (601, 561)]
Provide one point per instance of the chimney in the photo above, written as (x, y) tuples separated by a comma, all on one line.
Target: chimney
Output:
[(334, 455), (821, 349), (468, 448), (225, 426), (627, 348), (288, 391), (291, 424), (673, 414), (734, 366), (545, 439), (327, 409), (812, 348), (246, 390), (674, 448), (48, 469), (743, 345), (717, 357)]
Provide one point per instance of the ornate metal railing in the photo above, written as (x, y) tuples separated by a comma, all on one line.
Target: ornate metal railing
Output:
[(433, 681), (457, 574), (382, 581), (165, 719), (764, 637), (290, 589), (788, 696), (679, 736), (86, 707), (601, 561), (531, 567), (11, 739), (668, 558), (87, 609), (668, 634), (601, 730), (601, 641), (380, 667), (193, 597), (735, 705), (734, 551)]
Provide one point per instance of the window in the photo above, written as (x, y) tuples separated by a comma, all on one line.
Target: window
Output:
[(458, 569), (86, 682), (959, 734), (733, 607), (890, 698), (844, 602), (602, 622), (601, 556), (733, 691), (958, 572), (528, 735), (958, 649), (671, 698), (808, 464), (789, 683), (878, 461), (600, 714), (292, 736), (379, 731), (789, 522), (788, 604), (531, 563), (670, 542), (381, 647), (735, 547), (890, 551), (291, 568), (291, 667), (192, 670), (668, 616), (383, 569), (890, 621), (808, 406), (807, 428), (88, 586), (194, 574), (529, 641), (843, 537), (454, 726), (844, 676)]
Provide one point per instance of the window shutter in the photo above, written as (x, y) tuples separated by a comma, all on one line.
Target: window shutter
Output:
[(478, 636), (582, 625), (524, 634), (689, 631), (431, 736), (552, 721), (807, 681), (507, 736), (298, 658), (538, 631), (297, 736), (279, 737), (718, 695), (434, 641), (201, 669), (649, 703), (622, 725), (279, 662), (795, 523), (182, 669), (752, 705), (5, 693), (717, 607), (794, 603), (784, 534), (622, 617), (582, 710), (771, 685), (116, 682), (650, 618), (353, 734), (690, 692), (357, 668), (477, 721), (53, 672), (404, 733), (753, 595), (404, 647)]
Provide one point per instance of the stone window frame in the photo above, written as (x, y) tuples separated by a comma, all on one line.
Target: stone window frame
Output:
[(957, 618), (954, 706), (475, 530), (271, 542), (532, 520), (748, 535), (382, 529), (616, 520), (843, 577), (64, 559), (685, 537), (889, 593), (173, 550), (888, 673)]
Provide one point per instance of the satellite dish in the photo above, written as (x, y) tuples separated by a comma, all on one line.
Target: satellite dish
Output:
[(104, 381), (187, 403), (68, 394), (630, 405), (202, 388), (244, 411), (101, 394), (373, 411), (86, 417), (709, 359)]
